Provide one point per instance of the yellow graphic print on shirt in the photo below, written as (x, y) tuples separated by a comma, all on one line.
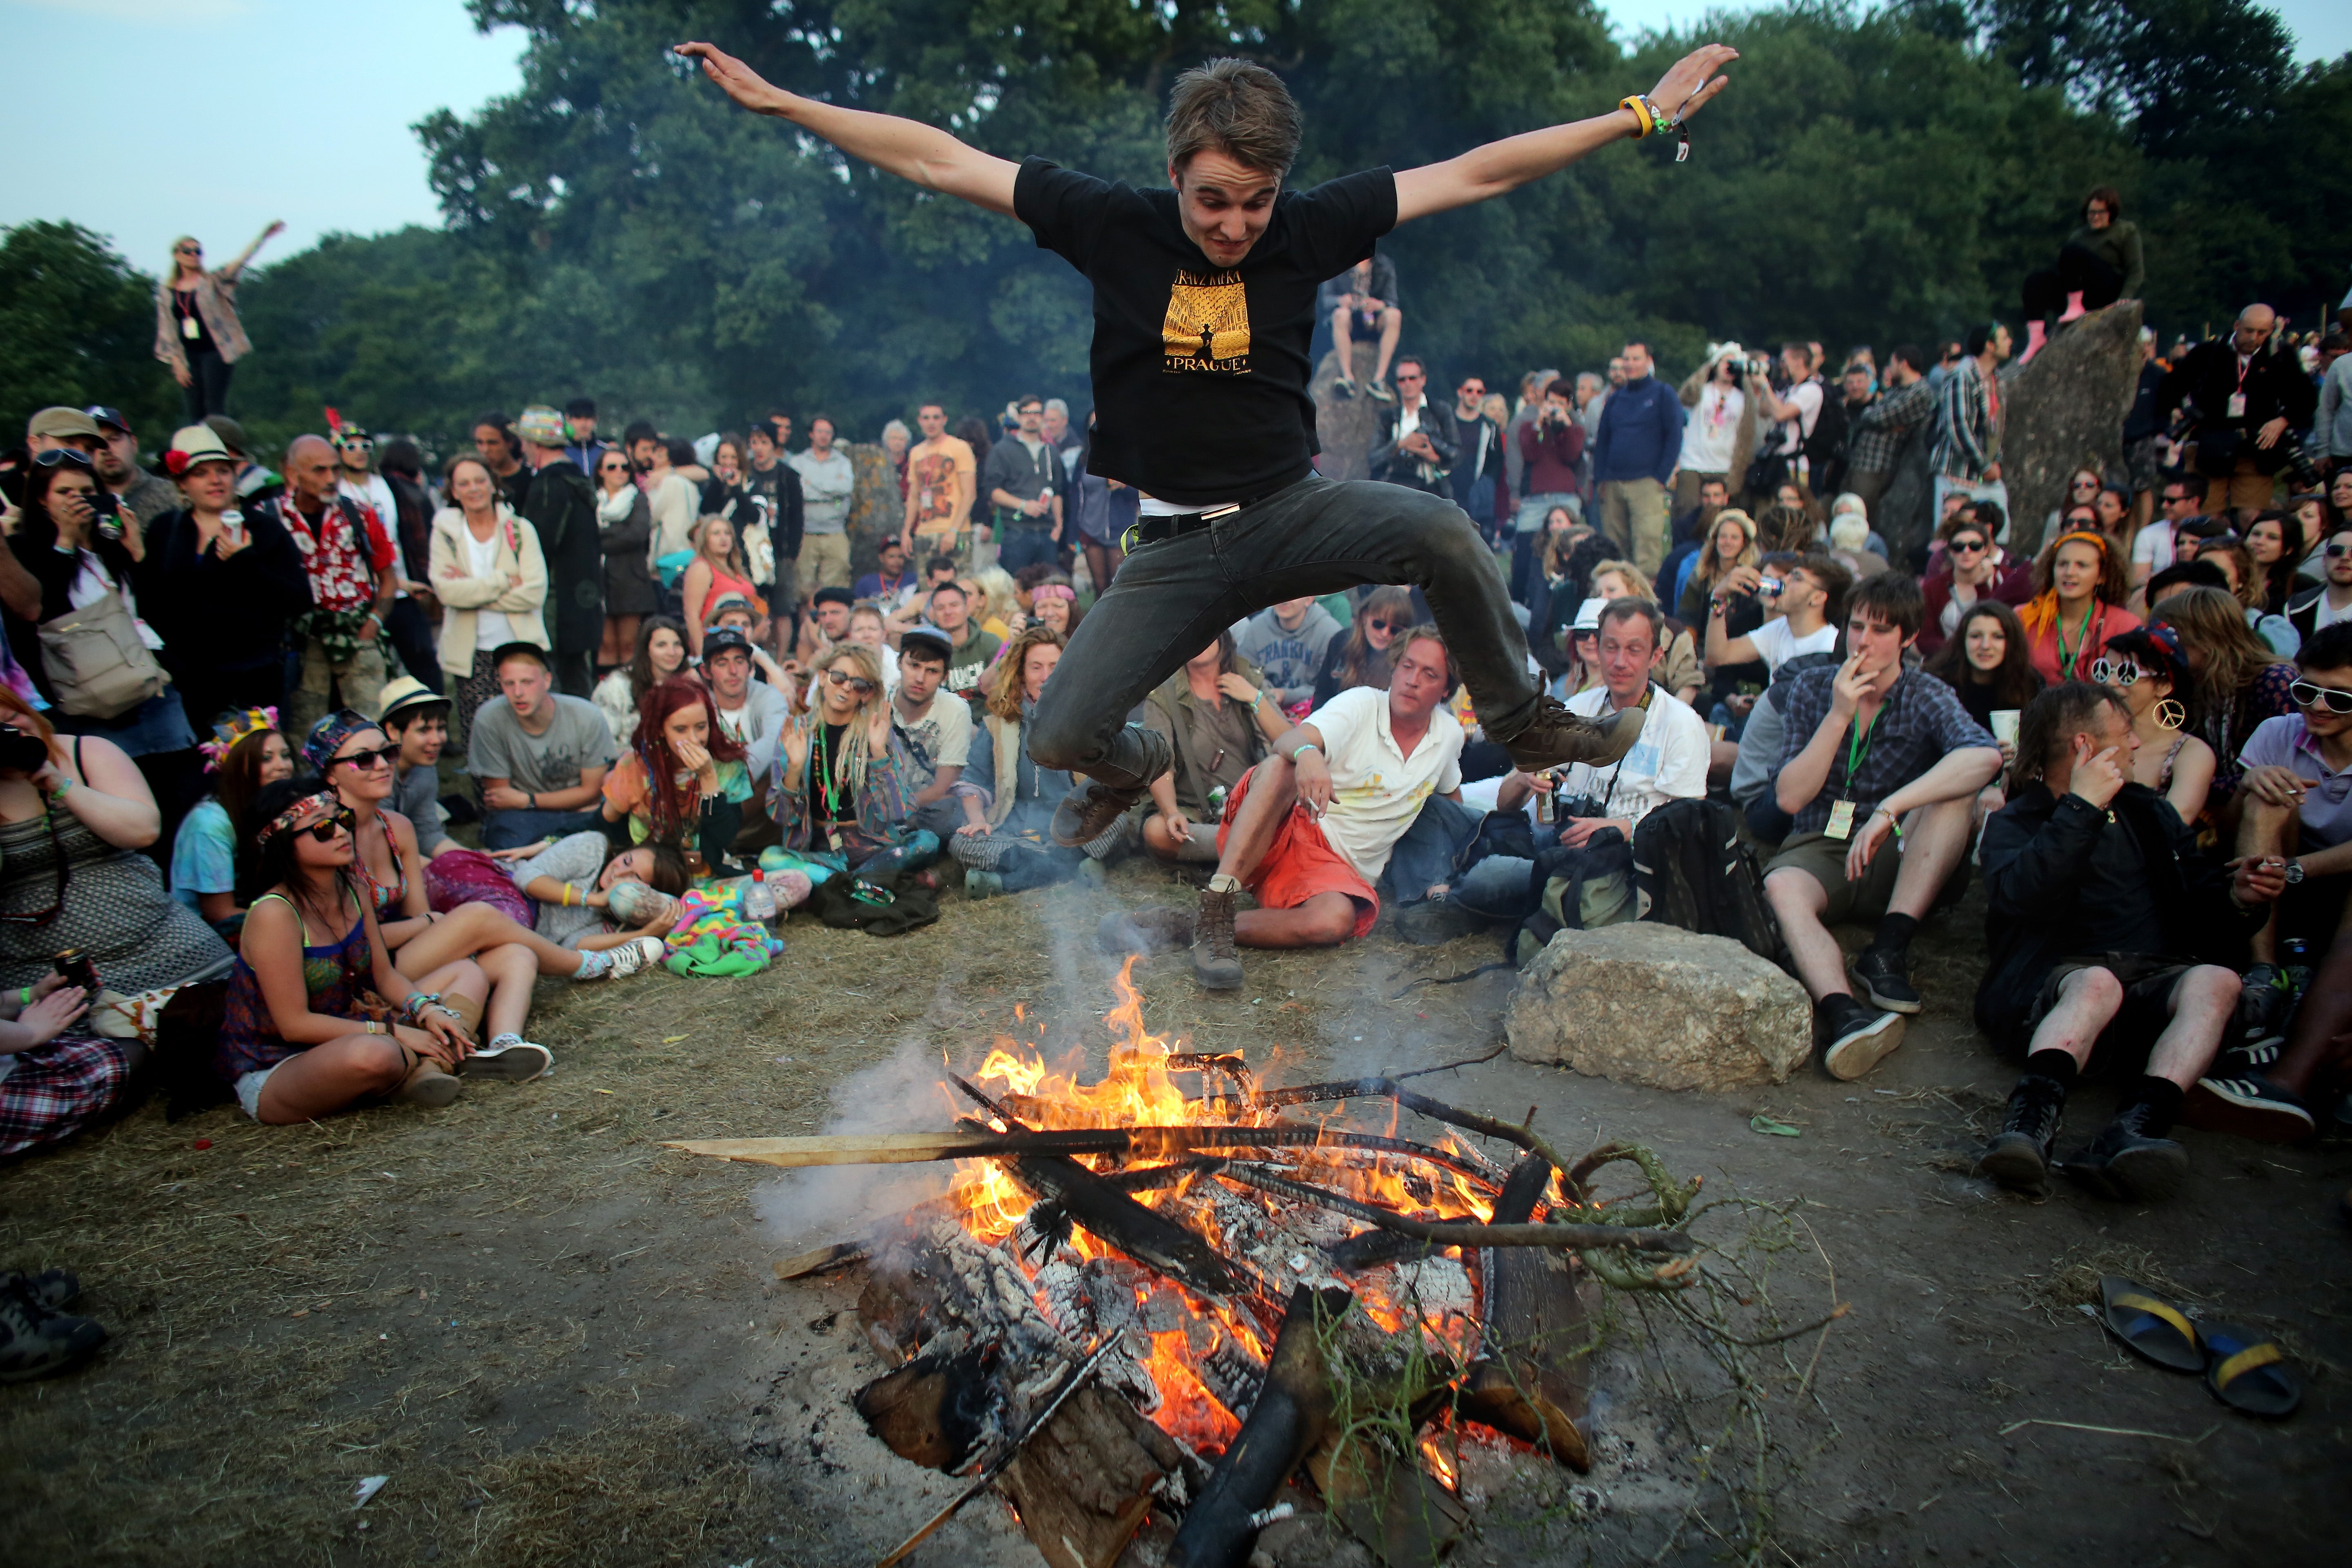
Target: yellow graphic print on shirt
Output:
[(1207, 330)]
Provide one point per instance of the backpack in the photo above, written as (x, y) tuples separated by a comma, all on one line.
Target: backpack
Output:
[(1824, 449), (1691, 865)]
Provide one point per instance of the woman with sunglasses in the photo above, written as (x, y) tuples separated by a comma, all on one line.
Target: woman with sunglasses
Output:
[(2079, 591), (491, 578), (1968, 567), (74, 815), (197, 334), (683, 780), (838, 787), (1361, 658), (2145, 668), (660, 654), (318, 1018), (624, 527), (2082, 490)]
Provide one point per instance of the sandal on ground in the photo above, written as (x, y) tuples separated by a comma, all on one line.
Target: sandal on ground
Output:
[(2148, 1327), (516, 1061), (2248, 1372)]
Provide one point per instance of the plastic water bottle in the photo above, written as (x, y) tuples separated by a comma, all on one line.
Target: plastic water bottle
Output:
[(2295, 966), (759, 900)]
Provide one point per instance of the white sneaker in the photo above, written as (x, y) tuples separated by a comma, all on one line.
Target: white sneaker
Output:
[(635, 955), (517, 1061)]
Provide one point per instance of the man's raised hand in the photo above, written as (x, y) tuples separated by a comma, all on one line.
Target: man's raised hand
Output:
[(1685, 87), (735, 78), (2098, 779)]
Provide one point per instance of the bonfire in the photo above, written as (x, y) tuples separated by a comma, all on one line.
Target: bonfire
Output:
[(1148, 1300)]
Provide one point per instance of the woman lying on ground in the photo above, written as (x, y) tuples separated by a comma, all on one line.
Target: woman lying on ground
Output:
[(247, 751), (318, 1018), (592, 900), (355, 761)]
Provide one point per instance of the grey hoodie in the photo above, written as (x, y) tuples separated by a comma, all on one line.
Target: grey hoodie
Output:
[(1290, 660)]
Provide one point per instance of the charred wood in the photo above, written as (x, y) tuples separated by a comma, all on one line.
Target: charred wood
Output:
[(934, 1410), (1145, 1234), (1572, 1237), (1534, 1337), (1392, 1506)]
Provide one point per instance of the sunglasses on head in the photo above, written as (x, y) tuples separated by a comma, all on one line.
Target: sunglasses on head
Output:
[(857, 683), (2310, 694), (368, 761), (62, 457)]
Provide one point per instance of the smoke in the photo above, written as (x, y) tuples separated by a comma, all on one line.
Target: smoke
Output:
[(823, 1203)]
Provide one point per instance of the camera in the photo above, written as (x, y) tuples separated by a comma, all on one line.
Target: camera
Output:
[(76, 968), (1574, 805), (108, 513), (21, 751)]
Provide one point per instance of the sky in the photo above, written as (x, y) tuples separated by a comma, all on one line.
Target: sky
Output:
[(217, 116)]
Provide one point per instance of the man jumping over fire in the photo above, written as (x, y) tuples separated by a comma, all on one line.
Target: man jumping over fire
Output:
[(1204, 310)]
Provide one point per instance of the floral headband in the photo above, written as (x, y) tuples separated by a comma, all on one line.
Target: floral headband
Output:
[(328, 735), (1053, 591), (231, 728), (300, 814)]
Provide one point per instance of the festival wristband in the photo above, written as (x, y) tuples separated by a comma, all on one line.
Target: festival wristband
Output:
[(25, 998), (1645, 119), (1298, 752)]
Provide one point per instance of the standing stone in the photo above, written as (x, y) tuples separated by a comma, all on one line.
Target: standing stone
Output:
[(2066, 411), (1656, 1005), (876, 509), (1349, 427)]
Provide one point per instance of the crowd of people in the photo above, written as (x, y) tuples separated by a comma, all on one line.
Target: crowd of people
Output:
[(227, 691)]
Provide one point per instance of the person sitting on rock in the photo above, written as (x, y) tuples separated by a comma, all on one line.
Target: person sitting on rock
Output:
[(1308, 831), (1871, 752), (2084, 861)]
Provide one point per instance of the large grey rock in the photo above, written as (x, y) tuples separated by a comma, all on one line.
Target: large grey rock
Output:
[(2066, 411), (1347, 428), (1905, 515), (1659, 1006)]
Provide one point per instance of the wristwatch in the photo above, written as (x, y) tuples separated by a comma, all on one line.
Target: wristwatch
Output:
[(2294, 873)]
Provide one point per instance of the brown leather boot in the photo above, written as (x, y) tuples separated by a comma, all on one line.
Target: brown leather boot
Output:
[(1558, 737), (1216, 962)]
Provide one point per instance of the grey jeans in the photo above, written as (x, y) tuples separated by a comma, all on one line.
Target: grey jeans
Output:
[(1318, 536)]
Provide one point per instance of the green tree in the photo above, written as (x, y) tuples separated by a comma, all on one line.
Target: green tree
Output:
[(78, 327)]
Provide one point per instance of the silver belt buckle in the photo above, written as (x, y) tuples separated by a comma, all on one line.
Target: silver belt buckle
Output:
[(1216, 512)]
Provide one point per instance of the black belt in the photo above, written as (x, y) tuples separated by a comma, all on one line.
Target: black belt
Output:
[(1153, 530)]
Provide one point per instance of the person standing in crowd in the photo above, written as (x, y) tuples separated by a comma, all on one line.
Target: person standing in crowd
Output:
[(2100, 263), (942, 474), (827, 482), (581, 448), (624, 533), (1416, 447), (723, 493), (350, 560), (415, 610), (1529, 409), (1362, 657), (356, 480), (2145, 666), (1551, 447), (660, 653), (1104, 510), (501, 449), (932, 735), (197, 334), (2236, 680), (1967, 453), (670, 496), (2077, 605), (1880, 767), (2249, 396), (2145, 441), (1880, 430), (1795, 414), (1022, 479), (716, 573), (561, 505), (416, 718), (775, 485), (139, 495), (540, 757), (2086, 862), (1718, 429), (1363, 301), (896, 441), (1219, 719), (1634, 455), (2332, 429), (1287, 643), (487, 571), (2327, 603), (208, 555), (246, 752), (1478, 454), (361, 483)]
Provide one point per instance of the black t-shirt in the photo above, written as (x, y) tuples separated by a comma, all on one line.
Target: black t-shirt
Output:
[(1200, 373)]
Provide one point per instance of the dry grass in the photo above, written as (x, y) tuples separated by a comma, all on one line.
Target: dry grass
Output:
[(2074, 1279)]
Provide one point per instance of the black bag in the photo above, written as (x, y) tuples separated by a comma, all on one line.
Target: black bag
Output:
[(1689, 859), (889, 905), (1824, 449)]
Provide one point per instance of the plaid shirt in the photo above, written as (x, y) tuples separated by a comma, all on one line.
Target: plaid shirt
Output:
[(1918, 725), (1879, 429), (1967, 423)]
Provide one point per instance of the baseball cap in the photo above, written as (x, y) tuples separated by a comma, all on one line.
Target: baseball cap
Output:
[(193, 445), (519, 649), (407, 692), (105, 417), (541, 425), (62, 425), (720, 639), (924, 639)]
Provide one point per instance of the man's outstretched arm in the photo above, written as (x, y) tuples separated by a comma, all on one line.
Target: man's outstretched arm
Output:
[(907, 148), (1500, 167)]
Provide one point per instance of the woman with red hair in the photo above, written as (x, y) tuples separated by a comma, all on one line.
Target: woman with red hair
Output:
[(683, 780), (2079, 588)]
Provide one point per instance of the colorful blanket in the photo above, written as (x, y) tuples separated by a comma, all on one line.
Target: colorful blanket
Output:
[(713, 937)]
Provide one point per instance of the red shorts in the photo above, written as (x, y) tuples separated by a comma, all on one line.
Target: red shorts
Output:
[(1301, 863)]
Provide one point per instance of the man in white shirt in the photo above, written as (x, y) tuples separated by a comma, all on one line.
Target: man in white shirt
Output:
[(1800, 615), (1308, 830), (931, 739), (2314, 610), (2152, 547), (1794, 413)]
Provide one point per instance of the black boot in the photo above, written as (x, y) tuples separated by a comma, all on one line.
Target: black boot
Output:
[(2127, 1164), (2019, 1155)]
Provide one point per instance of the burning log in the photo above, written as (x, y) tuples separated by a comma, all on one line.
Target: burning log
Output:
[(933, 1410), (1145, 1234), (1083, 1484), (1395, 1507), (1148, 1143), (1534, 1331), (1576, 1237), (1292, 1412)]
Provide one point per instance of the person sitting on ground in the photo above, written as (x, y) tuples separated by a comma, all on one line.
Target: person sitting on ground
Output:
[(572, 883), (2246, 584), (1731, 542), (298, 1037), (2236, 683), (1987, 668), (971, 651), (2325, 603), (1361, 658), (995, 602), (660, 654), (1219, 715), (417, 719), (1968, 567), (538, 756), (1287, 642), (680, 782), (1871, 752), (2145, 666), (246, 752), (2079, 587), (1678, 668), (54, 1080), (751, 713), (1670, 761), (1309, 830), (2084, 861), (1007, 800), (931, 735), (1800, 615), (352, 757), (862, 625), (1054, 603), (837, 785), (2182, 575)]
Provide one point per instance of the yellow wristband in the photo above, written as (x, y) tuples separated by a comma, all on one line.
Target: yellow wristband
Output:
[(1641, 114)]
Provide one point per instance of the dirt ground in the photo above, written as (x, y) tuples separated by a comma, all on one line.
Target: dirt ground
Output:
[(563, 1344)]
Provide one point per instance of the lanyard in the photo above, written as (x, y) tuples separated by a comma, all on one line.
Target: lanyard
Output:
[(1857, 748), (2066, 661)]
